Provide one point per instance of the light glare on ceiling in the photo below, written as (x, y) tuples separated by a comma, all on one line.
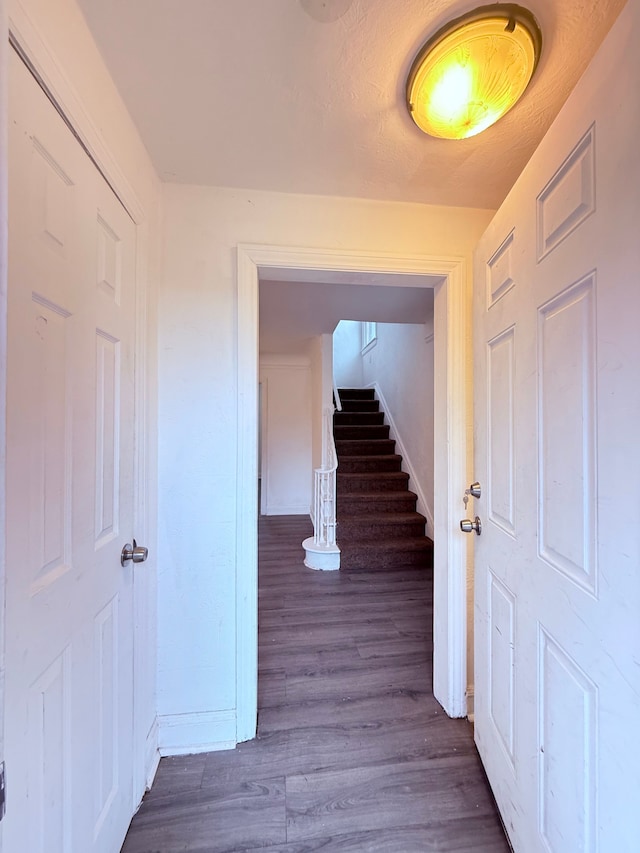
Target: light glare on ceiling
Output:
[(473, 71)]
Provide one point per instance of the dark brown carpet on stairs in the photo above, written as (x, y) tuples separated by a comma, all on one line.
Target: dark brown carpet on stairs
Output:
[(378, 526)]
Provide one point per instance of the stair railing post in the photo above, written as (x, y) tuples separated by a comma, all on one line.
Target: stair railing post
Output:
[(324, 499)]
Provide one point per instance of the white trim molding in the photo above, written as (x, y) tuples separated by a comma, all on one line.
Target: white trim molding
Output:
[(471, 699), (4, 242), (187, 734), (152, 754), (450, 437), (35, 48), (451, 452)]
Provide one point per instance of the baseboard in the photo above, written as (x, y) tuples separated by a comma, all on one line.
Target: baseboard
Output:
[(187, 734), (295, 509), (470, 704), (414, 483), (151, 754)]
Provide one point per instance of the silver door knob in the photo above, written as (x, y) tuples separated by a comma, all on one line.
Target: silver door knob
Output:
[(135, 552), (468, 526)]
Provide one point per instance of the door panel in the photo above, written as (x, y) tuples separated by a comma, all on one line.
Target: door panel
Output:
[(69, 685), (557, 403)]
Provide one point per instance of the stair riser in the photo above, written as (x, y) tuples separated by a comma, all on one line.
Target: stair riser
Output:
[(360, 405), (350, 529), (368, 465), (353, 447), (374, 503), (356, 393), (368, 562), (361, 433), (358, 418), (379, 482)]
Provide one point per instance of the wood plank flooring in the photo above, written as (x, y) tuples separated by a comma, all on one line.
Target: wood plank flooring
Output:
[(353, 752)]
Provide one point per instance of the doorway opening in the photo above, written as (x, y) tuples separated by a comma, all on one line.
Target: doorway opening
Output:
[(446, 277)]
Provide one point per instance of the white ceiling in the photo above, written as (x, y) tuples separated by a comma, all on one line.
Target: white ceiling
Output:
[(308, 95), (292, 312)]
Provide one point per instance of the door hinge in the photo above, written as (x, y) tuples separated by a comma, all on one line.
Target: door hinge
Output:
[(3, 806)]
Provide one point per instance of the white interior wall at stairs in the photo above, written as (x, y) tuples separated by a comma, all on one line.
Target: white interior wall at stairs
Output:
[(378, 526), (400, 368)]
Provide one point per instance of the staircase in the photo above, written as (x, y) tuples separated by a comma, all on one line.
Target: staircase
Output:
[(378, 526)]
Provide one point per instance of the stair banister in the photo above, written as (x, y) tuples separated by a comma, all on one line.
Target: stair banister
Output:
[(336, 396), (321, 551), (324, 521)]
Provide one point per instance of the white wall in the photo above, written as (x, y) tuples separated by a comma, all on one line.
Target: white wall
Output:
[(60, 44), (321, 355), (286, 435), (347, 358), (400, 365), (198, 439), (315, 356)]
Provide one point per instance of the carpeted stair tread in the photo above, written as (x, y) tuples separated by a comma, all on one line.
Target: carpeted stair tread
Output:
[(378, 526), (356, 393), (414, 544), (381, 463), (360, 405), (355, 503), (368, 555), (364, 496), (358, 418), (383, 518), (374, 482), (361, 447), (361, 432), (381, 525)]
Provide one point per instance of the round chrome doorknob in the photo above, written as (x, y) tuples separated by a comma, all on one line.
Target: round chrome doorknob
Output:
[(136, 553), (468, 526)]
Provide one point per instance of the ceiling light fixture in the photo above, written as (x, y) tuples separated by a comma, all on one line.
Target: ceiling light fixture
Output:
[(473, 70)]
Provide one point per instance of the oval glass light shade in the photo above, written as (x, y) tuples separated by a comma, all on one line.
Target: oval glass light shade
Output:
[(473, 71)]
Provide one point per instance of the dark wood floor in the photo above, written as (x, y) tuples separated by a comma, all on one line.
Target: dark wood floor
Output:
[(353, 752)]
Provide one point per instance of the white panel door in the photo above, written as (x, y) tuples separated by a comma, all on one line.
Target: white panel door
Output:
[(557, 402), (69, 652)]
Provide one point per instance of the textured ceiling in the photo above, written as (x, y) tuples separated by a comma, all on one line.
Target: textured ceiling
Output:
[(307, 96)]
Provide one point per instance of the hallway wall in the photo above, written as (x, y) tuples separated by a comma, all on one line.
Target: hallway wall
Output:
[(197, 425), (347, 356)]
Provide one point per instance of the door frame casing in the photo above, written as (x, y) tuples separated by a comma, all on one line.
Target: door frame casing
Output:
[(33, 45), (451, 456), (4, 240)]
